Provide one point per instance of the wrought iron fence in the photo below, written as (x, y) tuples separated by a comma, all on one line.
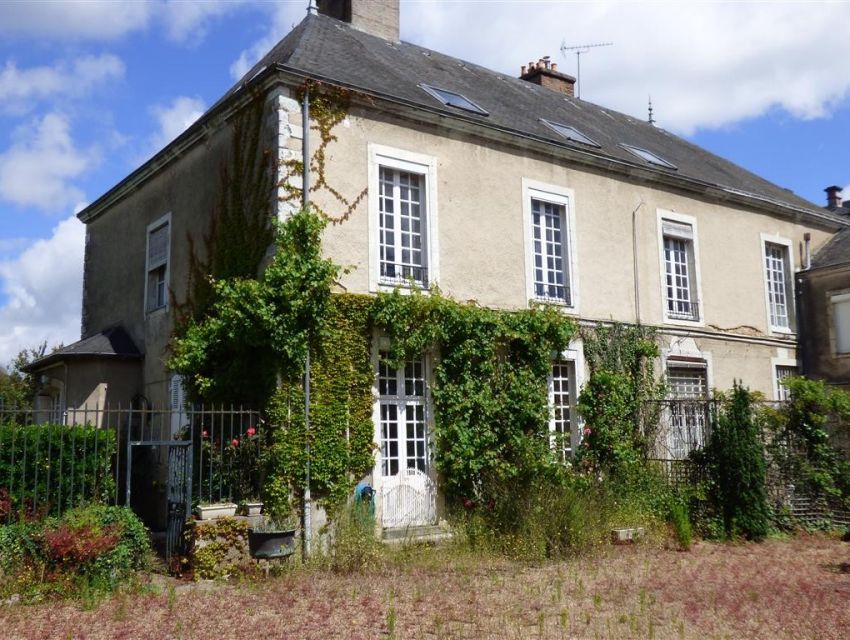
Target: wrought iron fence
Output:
[(51, 461)]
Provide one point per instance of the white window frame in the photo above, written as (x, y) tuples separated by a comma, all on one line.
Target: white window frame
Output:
[(402, 160), (775, 363), (766, 239), (562, 196), (164, 220), (574, 355), (833, 297), (695, 281), (703, 363)]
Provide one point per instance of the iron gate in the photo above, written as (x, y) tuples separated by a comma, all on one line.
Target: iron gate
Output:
[(178, 489)]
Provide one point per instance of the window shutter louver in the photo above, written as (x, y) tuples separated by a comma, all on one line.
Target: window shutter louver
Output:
[(158, 246), (677, 230)]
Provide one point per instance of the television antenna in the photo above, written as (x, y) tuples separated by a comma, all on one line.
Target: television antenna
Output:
[(580, 49)]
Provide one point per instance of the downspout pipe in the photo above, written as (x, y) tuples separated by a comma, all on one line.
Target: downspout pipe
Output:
[(635, 259), (305, 200)]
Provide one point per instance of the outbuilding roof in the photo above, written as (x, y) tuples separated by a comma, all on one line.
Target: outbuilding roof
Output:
[(114, 342)]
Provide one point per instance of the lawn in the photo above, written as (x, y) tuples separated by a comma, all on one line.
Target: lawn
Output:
[(796, 588)]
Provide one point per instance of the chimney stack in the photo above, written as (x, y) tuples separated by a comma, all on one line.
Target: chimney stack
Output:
[(377, 17), (545, 73), (833, 197)]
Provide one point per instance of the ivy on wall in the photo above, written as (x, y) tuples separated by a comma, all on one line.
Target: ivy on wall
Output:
[(619, 403), (490, 399)]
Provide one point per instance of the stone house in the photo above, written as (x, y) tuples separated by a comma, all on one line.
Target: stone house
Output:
[(501, 189)]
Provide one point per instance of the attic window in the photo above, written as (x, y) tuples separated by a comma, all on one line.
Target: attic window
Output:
[(650, 157), (452, 99), (570, 133)]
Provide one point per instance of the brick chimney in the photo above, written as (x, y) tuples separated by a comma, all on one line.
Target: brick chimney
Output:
[(377, 17), (545, 73), (833, 197)]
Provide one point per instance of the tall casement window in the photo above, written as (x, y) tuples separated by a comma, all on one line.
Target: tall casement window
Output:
[(840, 310), (403, 235), (403, 424), (782, 372), (549, 228), (402, 195), (551, 271), (687, 417), (777, 277), (156, 284), (681, 300), (562, 399)]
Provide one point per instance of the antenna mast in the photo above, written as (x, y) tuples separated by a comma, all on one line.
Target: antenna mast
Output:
[(580, 49)]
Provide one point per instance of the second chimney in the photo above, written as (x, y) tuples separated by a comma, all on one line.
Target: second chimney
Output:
[(833, 197), (546, 74), (378, 17)]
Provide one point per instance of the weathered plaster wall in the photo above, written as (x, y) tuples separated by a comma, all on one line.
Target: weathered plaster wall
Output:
[(819, 358)]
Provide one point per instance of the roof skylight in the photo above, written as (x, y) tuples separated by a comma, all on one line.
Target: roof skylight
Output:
[(570, 133), (650, 157), (452, 99)]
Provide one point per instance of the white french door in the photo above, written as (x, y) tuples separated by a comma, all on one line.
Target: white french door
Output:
[(408, 492)]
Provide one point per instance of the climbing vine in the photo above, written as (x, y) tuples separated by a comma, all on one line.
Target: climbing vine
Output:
[(490, 398), (619, 403)]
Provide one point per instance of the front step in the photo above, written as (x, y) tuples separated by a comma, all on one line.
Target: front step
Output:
[(414, 535)]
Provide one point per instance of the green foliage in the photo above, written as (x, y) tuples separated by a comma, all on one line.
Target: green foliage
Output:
[(17, 388), (802, 434), (341, 428), (44, 468), (681, 523), (218, 548), (620, 400), (490, 398), (91, 550), (354, 546), (257, 331), (737, 468), (561, 514)]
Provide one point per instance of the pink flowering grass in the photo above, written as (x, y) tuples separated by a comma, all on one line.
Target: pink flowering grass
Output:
[(795, 588)]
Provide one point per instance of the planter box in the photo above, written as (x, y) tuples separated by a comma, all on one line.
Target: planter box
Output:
[(252, 508), (213, 511), (626, 536), (271, 544)]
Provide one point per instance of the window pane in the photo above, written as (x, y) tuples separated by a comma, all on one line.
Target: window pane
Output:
[(841, 325), (401, 220), (678, 283), (688, 410), (560, 401), (776, 272), (548, 224), (404, 433)]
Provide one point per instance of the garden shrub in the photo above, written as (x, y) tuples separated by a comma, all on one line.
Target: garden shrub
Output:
[(737, 468), (44, 468), (91, 549), (681, 523)]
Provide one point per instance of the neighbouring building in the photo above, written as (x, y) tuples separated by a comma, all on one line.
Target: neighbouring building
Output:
[(825, 304), (501, 189)]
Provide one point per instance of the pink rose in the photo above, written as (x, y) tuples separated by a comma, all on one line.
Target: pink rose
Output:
[(250, 432), (234, 442), (205, 433)]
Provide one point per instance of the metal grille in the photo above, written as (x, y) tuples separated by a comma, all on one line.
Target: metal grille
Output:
[(687, 413), (560, 398), (783, 372), (680, 303), (404, 434), (402, 232), (775, 257), (550, 251)]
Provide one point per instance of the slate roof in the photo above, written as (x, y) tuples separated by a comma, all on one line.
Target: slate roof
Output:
[(834, 252), (114, 342), (326, 48)]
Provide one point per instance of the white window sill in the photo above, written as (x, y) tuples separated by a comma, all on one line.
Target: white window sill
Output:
[(680, 322)]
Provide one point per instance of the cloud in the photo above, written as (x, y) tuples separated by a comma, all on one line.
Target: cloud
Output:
[(174, 118), (74, 19), (187, 22), (706, 65), (20, 88), (37, 169), (183, 21), (283, 16), (43, 291)]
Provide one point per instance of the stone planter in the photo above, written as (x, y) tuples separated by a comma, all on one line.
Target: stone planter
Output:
[(271, 544), (627, 536), (252, 508), (213, 511)]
